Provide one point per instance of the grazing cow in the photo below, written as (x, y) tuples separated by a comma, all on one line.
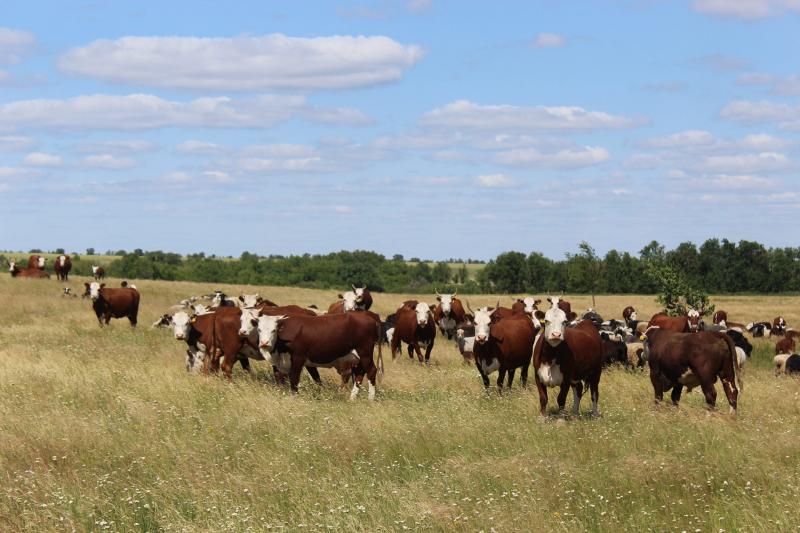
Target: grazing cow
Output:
[(198, 333), (344, 341), (528, 305), (113, 303), (448, 313), (414, 327), (363, 297), (567, 357), (792, 333), (743, 347), (33, 273), (387, 329), (720, 317), (683, 359), (760, 329), (465, 340), (778, 326), (780, 363), (503, 347), (36, 262), (615, 351), (792, 365), (346, 302), (635, 351), (62, 267), (98, 272), (680, 324), (785, 345)]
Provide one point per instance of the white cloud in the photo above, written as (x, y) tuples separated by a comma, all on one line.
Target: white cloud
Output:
[(419, 6), (199, 148), (337, 115), (343, 209), (435, 181), (14, 45), (722, 62), (109, 162), (567, 158), (755, 78), (176, 177), (13, 172), (116, 147), (41, 159), (219, 176), (749, 112), (746, 9), (279, 150), (307, 164), (747, 163), (16, 143), (146, 111), (681, 139), (469, 115), (549, 40), (493, 181), (789, 86), (244, 63), (741, 181)]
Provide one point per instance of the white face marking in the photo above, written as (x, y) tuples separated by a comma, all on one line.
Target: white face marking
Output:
[(491, 367), (268, 332), (349, 299), (41, 262), (634, 316), (359, 292), (61, 260), (246, 326), (94, 290), (11, 266), (694, 319), (483, 321), (181, 325), (94, 269), (250, 300), (446, 300), (217, 300), (550, 375), (530, 304), (555, 320), (422, 310)]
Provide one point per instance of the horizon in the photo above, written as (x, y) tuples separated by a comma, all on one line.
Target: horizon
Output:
[(425, 128)]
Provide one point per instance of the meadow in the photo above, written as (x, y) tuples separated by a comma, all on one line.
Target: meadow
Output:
[(103, 429)]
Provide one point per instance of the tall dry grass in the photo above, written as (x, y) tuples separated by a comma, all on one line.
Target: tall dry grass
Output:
[(102, 429)]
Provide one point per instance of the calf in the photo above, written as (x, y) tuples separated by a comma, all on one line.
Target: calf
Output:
[(503, 346), (680, 324), (67, 293), (615, 351), (448, 313), (414, 327), (567, 357), (465, 340), (33, 273), (682, 359), (743, 347), (220, 299), (363, 297), (98, 272), (62, 267), (785, 345), (792, 365), (113, 303)]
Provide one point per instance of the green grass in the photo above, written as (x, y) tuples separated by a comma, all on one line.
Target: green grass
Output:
[(102, 429)]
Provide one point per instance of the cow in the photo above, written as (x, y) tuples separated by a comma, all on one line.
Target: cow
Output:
[(503, 347), (113, 303), (681, 324), (344, 341), (743, 347), (36, 262), (630, 317), (679, 359), (363, 297), (792, 333), (528, 305), (785, 345), (448, 313), (567, 357), (779, 326), (387, 329), (67, 293), (62, 267), (219, 299), (252, 300), (720, 317), (197, 330), (33, 273), (98, 272), (465, 340), (592, 316), (564, 306), (615, 351), (346, 302), (780, 363), (760, 329), (792, 365), (414, 327)]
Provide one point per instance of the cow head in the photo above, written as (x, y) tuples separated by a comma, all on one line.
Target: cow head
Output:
[(218, 298), (94, 269), (248, 321), (62, 259), (41, 262), (164, 322), (694, 320), (67, 291), (250, 300), (530, 305), (267, 327), (422, 310), (349, 299), (446, 301), (555, 322), (779, 323), (483, 322), (12, 266), (359, 292), (181, 323), (93, 290)]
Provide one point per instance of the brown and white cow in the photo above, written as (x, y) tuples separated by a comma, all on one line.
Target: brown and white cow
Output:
[(631, 317), (33, 273), (247, 301), (448, 313), (414, 326), (528, 305), (785, 345), (113, 303), (503, 347), (363, 297), (346, 302), (36, 262), (680, 324), (779, 325), (344, 341), (567, 357), (720, 318), (197, 330), (98, 272), (680, 360), (62, 267)]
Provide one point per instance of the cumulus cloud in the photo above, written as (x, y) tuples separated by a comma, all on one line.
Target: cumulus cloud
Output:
[(469, 115), (567, 158), (745, 9), (41, 159), (15, 45), (494, 181), (243, 63), (146, 111), (218, 176), (549, 40), (109, 162), (729, 164), (785, 116)]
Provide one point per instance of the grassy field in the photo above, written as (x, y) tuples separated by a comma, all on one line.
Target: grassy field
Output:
[(102, 429)]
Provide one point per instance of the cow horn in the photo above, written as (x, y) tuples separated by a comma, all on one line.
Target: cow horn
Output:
[(354, 287), (455, 293), (437, 292)]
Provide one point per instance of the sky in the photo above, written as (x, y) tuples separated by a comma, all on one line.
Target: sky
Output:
[(429, 128)]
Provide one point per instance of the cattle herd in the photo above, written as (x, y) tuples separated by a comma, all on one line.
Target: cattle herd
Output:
[(567, 351)]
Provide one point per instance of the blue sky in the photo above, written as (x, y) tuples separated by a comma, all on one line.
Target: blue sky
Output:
[(429, 128)]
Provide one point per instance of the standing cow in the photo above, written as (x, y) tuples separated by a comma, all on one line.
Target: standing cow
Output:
[(503, 347), (113, 303), (680, 324), (779, 326), (98, 272), (197, 330), (528, 305), (62, 267), (567, 357), (414, 326), (363, 297), (448, 313)]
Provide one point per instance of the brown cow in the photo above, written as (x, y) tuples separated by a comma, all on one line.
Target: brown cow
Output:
[(62, 267), (36, 262), (567, 357), (503, 346), (779, 326), (414, 327), (448, 313), (113, 303), (720, 317), (34, 273), (680, 324), (785, 345), (98, 272), (528, 305), (344, 341), (630, 317), (691, 359), (198, 333), (792, 333)]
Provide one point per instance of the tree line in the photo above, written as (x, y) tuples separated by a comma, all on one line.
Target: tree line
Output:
[(716, 266)]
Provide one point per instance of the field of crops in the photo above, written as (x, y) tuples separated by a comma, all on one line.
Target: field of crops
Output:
[(103, 429)]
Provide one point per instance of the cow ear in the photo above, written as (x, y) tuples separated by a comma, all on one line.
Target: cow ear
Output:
[(438, 298), (102, 285), (254, 321), (241, 298), (339, 296), (259, 299), (87, 284)]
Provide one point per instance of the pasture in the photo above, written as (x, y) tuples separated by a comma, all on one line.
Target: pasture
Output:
[(103, 429)]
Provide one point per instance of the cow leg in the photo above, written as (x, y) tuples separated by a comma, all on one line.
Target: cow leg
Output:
[(523, 374), (245, 362), (428, 351), (294, 374), (594, 388), (419, 352), (280, 377), (228, 360), (577, 394), (658, 386), (132, 320), (562, 395), (676, 394), (710, 393), (484, 377), (314, 373), (372, 372), (731, 393), (410, 348), (395, 344), (542, 395), (501, 377), (511, 377)]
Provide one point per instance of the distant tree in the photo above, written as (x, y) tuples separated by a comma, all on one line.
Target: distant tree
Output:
[(59, 251), (441, 273), (90, 251), (652, 252), (674, 291), (36, 251), (397, 257), (509, 272)]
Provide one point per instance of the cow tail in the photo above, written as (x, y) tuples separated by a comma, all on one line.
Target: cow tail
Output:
[(380, 349), (737, 370)]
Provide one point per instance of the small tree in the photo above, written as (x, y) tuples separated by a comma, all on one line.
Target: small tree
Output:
[(674, 291)]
